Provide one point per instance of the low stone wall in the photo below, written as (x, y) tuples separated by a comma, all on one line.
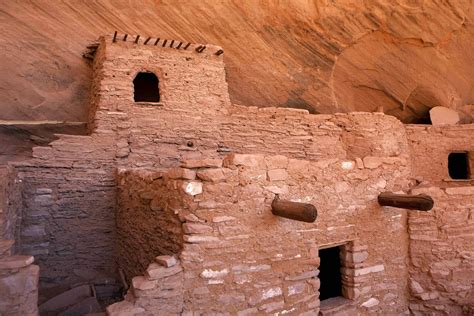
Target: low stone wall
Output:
[(147, 224)]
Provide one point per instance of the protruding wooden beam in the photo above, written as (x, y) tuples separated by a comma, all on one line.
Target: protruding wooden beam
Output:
[(125, 37), (157, 40), (297, 211), (187, 45), (147, 40), (200, 48), (136, 39), (115, 37), (172, 43), (219, 52), (164, 43), (179, 45), (421, 202)]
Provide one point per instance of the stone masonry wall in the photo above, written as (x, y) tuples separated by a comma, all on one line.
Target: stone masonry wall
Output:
[(431, 145), (239, 258), (195, 119), (147, 225), (442, 240), (69, 208), (11, 204)]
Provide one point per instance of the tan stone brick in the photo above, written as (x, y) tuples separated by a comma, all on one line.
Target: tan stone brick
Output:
[(277, 175), (181, 173)]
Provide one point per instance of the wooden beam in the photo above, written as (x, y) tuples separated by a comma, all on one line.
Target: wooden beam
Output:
[(421, 202), (297, 211), (115, 37)]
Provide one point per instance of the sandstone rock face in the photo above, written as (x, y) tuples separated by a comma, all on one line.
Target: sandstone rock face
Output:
[(324, 56)]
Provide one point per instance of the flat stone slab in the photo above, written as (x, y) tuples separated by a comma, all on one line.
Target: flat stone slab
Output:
[(16, 262), (66, 299), (87, 306)]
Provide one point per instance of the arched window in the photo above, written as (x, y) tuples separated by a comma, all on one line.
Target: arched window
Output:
[(146, 87)]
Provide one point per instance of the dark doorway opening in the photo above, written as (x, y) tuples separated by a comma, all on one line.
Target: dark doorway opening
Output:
[(330, 273), (458, 165), (146, 88)]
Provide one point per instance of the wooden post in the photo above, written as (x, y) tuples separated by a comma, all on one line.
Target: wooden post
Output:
[(303, 212), (421, 202)]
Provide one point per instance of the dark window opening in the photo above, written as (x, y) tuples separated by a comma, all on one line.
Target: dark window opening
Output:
[(458, 165), (330, 273), (146, 87)]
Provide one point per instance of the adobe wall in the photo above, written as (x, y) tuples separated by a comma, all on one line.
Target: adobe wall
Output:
[(239, 258), (442, 240)]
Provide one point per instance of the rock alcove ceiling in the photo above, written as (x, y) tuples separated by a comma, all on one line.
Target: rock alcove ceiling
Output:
[(402, 56)]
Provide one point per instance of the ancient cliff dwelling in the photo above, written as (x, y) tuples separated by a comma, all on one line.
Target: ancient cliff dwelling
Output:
[(166, 178)]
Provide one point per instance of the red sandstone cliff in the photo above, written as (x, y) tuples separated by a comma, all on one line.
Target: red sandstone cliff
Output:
[(326, 56)]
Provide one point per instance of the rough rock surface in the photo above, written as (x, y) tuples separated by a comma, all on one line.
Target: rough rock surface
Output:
[(326, 56)]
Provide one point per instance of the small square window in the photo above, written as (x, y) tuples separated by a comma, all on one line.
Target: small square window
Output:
[(458, 165)]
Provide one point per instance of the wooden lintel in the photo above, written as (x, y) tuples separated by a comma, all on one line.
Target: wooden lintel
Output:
[(298, 211), (421, 202)]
